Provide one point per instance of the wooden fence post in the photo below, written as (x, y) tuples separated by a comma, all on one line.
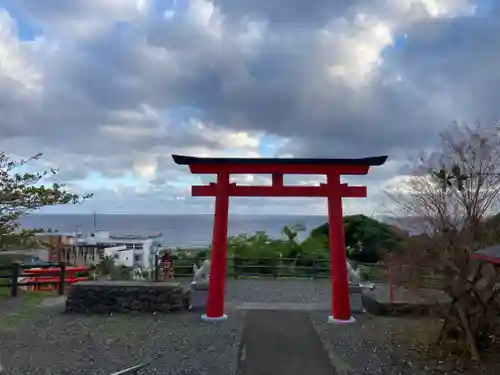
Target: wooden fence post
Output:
[(62, 278), (391, 284), (14, 280), (157, 274), (236, 262)]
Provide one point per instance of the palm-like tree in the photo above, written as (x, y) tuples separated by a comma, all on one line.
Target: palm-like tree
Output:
[(291, 233)]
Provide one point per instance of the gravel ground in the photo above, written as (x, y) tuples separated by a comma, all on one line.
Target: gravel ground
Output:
[(56, 343), (42, 340), (281, 290), (361, 348)]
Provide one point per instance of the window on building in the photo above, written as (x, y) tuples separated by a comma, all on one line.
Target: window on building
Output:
[(116, 256), (138, 246), (137, 258), (129, 246)]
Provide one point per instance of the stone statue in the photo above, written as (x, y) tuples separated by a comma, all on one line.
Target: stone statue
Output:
[(201, 276), (354, 276)]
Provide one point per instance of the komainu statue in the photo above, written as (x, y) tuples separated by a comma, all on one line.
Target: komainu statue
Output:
[(201, 276), (354, 276)]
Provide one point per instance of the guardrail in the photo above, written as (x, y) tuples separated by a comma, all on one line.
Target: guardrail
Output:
[(16, 270), (276, 268)]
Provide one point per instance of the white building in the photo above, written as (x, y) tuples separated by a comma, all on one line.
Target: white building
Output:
[(91, 248), (121, 255)]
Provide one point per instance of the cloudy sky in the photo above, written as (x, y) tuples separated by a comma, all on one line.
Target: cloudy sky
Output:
[(109, 89)]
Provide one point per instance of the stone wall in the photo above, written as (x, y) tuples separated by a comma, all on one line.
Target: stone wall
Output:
[(127, 296), (406, 302)]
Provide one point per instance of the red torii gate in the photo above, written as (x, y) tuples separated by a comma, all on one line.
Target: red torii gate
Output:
[(333, 190)]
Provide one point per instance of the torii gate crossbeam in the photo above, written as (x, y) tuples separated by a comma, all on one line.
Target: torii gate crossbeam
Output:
[(333, 190)]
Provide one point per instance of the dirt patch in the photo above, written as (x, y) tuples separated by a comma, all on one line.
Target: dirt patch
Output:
[(394, 345), (416, 339)]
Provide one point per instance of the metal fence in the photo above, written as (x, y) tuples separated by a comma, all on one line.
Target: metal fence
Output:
[(277, 268)]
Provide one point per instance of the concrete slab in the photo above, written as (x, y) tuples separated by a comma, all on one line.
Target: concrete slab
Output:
[(198, 300), (282, 342), (291, 306)]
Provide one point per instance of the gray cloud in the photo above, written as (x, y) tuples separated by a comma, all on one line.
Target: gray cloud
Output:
[(112, 87)]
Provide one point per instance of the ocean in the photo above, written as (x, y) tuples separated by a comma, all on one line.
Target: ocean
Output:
[(177, 230)]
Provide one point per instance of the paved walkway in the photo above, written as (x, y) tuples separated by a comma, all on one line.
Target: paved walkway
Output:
[(282, 342)]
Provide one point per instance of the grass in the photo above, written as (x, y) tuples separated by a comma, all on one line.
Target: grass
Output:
[(20, 309), (4, 291), (4, 288)]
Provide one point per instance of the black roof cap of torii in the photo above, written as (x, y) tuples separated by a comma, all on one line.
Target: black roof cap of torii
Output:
[(192, 160)]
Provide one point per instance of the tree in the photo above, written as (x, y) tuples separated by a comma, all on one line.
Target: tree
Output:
[(22, 193), (452, 190), (291, 232), (291, 247), (366, 239)]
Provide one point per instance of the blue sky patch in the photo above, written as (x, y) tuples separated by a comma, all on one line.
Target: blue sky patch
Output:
[(26, 30)]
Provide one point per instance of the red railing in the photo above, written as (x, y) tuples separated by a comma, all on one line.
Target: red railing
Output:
[(51, 276)]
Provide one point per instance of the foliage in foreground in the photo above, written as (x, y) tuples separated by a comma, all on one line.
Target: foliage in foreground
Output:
[(453, 190), (23, 192)]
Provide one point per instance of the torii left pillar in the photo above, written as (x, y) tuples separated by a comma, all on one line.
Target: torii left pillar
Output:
[(218, 258)]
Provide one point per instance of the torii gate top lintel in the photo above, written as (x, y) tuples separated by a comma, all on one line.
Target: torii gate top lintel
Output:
[(279, 165)]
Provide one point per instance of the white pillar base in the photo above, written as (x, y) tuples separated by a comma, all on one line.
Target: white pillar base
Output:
[(210, 319), (332, 320)]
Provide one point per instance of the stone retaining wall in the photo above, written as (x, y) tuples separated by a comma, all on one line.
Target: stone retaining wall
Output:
[(127, 296), (405, 302)]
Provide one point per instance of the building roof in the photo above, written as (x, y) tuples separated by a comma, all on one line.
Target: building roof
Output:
[(84, 245), (191, 160), (489, 254)]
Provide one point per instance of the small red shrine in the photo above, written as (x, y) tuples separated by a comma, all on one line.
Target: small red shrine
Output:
[(333, 190)]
